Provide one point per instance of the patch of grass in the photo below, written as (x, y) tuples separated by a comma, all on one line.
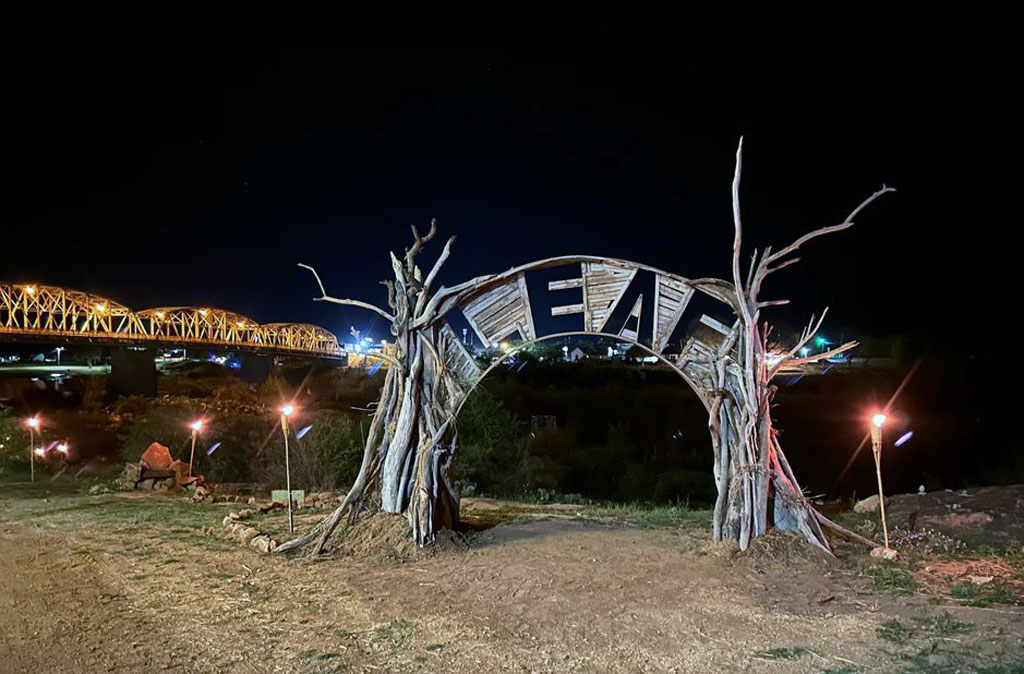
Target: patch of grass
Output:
[(648, 516), (893, 579), (994, 592), (893, 631), (317, 655), (946, 625), (845, 669), (1014, 556), (1003, 669), (395, 634), (787, 653)]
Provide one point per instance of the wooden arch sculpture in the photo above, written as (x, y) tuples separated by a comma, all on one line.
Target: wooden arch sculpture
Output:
[(413, 437)]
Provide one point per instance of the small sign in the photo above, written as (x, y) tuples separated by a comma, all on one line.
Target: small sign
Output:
[(281, 496)]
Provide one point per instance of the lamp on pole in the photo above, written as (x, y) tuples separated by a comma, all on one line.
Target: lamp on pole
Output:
[(877, 422), (197, 426), (33, 428), (287, 411)]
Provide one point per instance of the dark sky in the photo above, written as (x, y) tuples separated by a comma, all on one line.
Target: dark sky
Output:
[(186, 157)]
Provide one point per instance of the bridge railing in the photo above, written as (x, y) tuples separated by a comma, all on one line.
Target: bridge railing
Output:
[(42, 311)]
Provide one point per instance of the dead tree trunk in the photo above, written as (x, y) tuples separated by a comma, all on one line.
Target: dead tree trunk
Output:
[(756, 486), (411, 441)]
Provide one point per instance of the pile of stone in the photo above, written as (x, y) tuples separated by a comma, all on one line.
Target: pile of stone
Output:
[(158, 470), (250, 535)]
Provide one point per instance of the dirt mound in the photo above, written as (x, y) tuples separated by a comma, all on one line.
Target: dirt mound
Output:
[(991, 515), (779, 549), (388, 537)]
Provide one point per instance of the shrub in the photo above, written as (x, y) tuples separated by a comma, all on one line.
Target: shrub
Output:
[(14, 443), (326, 458)]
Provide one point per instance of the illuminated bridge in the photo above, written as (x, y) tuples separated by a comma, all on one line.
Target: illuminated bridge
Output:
[(31, 311)]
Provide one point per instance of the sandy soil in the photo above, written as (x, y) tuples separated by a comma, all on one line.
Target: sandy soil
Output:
[(545, 595)]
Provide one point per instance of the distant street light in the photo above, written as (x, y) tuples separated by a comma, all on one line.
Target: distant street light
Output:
[(197, 426), (33, 428), (287, 411), (63, 448), (877, 422), (58, 350)]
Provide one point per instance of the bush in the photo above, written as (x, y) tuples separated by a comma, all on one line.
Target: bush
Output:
[(326, 458), (491, 459), (14, 443)]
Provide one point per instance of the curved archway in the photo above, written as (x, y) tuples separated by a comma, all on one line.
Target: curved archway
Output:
[(412, 438)]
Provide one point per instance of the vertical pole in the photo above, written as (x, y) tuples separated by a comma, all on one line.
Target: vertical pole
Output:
[(287, 473), (876, 447), (32, 452), (192, 455)]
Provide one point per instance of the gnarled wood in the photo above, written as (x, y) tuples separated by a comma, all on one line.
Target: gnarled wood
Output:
[(413, 441)]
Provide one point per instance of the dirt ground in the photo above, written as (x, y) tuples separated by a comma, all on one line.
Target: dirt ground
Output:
[(148, 583)]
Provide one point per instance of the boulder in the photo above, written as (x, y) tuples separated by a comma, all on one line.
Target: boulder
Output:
[(263, 543), (156, 457), (885, 553), (246, 534), (868, 505)]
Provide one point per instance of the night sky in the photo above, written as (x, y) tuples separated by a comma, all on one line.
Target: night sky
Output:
[(188, 157)]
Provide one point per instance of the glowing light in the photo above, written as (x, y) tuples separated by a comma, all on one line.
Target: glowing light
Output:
[(63, 448), (804, 351), (40, 451), (31, 290), (197, 425), (203, 312), (503, 346), (903, 438), (213, 448), (159, 314), (287, 410), (879, 419), (303, 431), (240, 324), (33, 422), (101, 307)]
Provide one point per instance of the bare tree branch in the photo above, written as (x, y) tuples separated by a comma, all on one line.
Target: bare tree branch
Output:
[(845, 224), (352, 303), (411, 253)]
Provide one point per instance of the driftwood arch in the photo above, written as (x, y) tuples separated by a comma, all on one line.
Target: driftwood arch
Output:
[(412, 440)]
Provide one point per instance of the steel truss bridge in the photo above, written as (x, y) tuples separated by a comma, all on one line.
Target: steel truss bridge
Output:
[(49, 312)]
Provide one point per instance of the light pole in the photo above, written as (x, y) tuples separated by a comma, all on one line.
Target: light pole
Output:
[(64, 449), (33, 427), (286, 412), (877, 422), (197, 426)]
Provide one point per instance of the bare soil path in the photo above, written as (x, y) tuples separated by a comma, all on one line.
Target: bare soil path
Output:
[(151, 584)]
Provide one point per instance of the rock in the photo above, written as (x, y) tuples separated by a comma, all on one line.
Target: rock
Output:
[(885, 553), (246, 534), (200, 494), (252, 500), (980, 580), (263, 543), (868, 505), (129, 477), (98, 489)]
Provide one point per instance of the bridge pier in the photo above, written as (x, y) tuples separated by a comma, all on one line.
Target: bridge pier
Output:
[(132, 372), (255, 368)]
